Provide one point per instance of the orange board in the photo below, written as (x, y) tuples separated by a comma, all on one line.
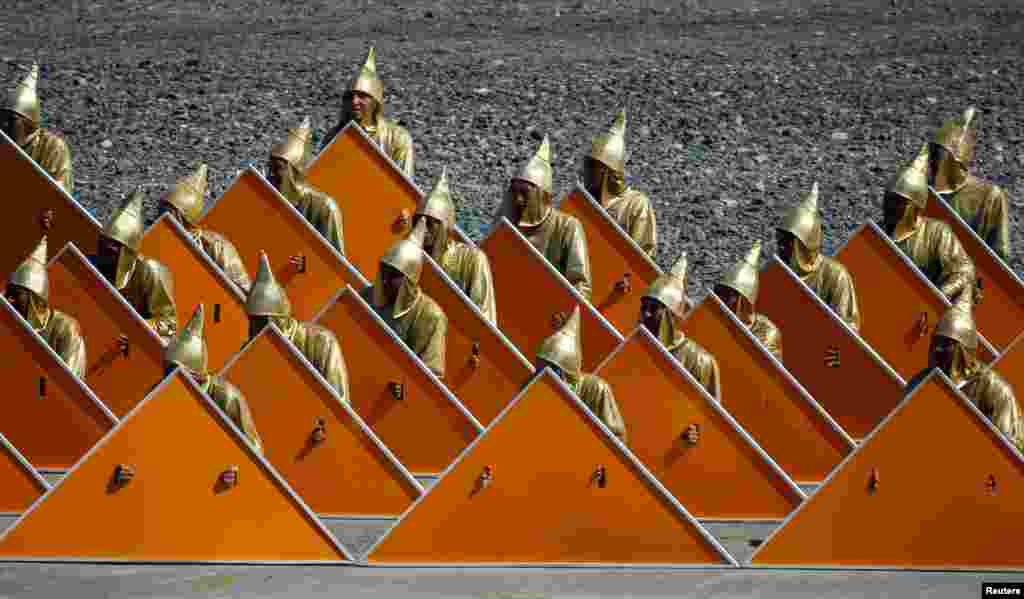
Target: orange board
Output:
[(20, 484), (842, 372), (485, 384), (765, 399), (530, 292), (49, 414), (120, 380), (175, 508), (32, 192), (726, 475), (613, 254), (1000, 315), (427, 427), (255, 217), (348, 472), (906, 499), (545, 502), (200, 281), (371, 192)]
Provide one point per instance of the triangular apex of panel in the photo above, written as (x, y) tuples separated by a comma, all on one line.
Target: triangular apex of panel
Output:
[(765, 399), (394, 393), (20, 484), (49, 414), (934, 486), (842, 372), (352, 169), (726, 475), (178, 504), (255, 217), (120, 378), (317, 443), (70, 222), (577, 495), (619, 269), (200, 281), (531, 292)]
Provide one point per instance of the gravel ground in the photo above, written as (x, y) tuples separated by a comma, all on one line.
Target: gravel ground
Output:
[(735, 106)]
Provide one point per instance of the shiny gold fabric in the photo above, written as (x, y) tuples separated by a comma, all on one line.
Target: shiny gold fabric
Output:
[(31, 273), (225, 255), (296, 147), (125, 224), (266, 297), (957, 323), (936, 251), (24, 98), (188, 348), (406, 257), (699, 363), (367, 80), (833, 283), (610, 148), (188, 195), (321, 349), (633, 212), (470, 269), (149, 288), (986, 208), (422, 326), (744, 276), (564, 349), (231, 401), (995, 398), (911, 182), (64, 336), (768, 334), (597, 395), (959, 136), (321, 211), (52, 153), (669, 289), (804, 221), (537, 170)]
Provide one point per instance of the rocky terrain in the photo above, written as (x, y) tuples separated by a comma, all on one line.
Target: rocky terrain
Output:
[(735, 106)]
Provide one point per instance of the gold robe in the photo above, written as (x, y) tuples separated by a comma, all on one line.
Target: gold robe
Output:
[(834, 285), (937, 252), (701, 364), (469, 268), (224, 255), (392, 138), (321, 348), (231, 401), (64, 336), (995, 398), (985, 207), (597, 394), (632, 210), (768, 334), (149, 288), (423, 328), (322, 212), (53, 155), (560, 238)]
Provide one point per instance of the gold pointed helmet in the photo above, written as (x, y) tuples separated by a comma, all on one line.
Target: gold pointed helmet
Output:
[(189, 348), (744, 276), (911, 181), (406, 255), (24, 98), (438, 203), (803, 220), (959, 136), (670, 288), (610, 148), (538, 169), (125, 224), (297, 147), (367, 80), (188, 193), (565, 349), (266, 297), (957, 323), (31, 273)]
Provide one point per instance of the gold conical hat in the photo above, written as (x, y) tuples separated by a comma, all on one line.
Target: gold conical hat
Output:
[(670, 288), (189, 347), (743, 277), (438, 203), (564, 349), (538, 169), (125, 224), (804, 221), (24, 98), (406, 255), (295, 149), (957, 323), (367, 80), (266, 297), (610, 148), (911, 181), (959, 136), (31, 273), (187, 195)]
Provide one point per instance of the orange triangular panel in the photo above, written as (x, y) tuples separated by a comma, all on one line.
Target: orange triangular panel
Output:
[(256, 218), (726, 476), (38, 192), (530, 292), (49, 415), (1000, 315), (201, 281), (765, 399), (487, 384), (906, 499), (175, 508), (427, 427), (374, 193), (20, 484), (563, 513), (120, 380), (349, 472), (613, 254), (832, 362)]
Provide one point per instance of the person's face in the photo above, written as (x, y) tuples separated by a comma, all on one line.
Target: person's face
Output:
[(432, 230), (593, 176), (391, 280), (277, 172), (257, 324), (522, 192), (651, 313), (15, 126), (107, 253), (937, 155), (20, 298), (785, 245), (894, 206), (729, 296), (360, 105), (943, 352)]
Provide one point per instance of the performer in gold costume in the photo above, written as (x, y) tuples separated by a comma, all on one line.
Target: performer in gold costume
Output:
[(188, 350), (22, 122), (363, 103), (558, 236), (981, 203), (929, 243), (28, 290), (562, 352), (287, 164), (954, 351), (185, 204), (799, 240), (268, 302), (662, 308), (604, 176), (738, 290), (144, 282), (467, 266), (397, 298)]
